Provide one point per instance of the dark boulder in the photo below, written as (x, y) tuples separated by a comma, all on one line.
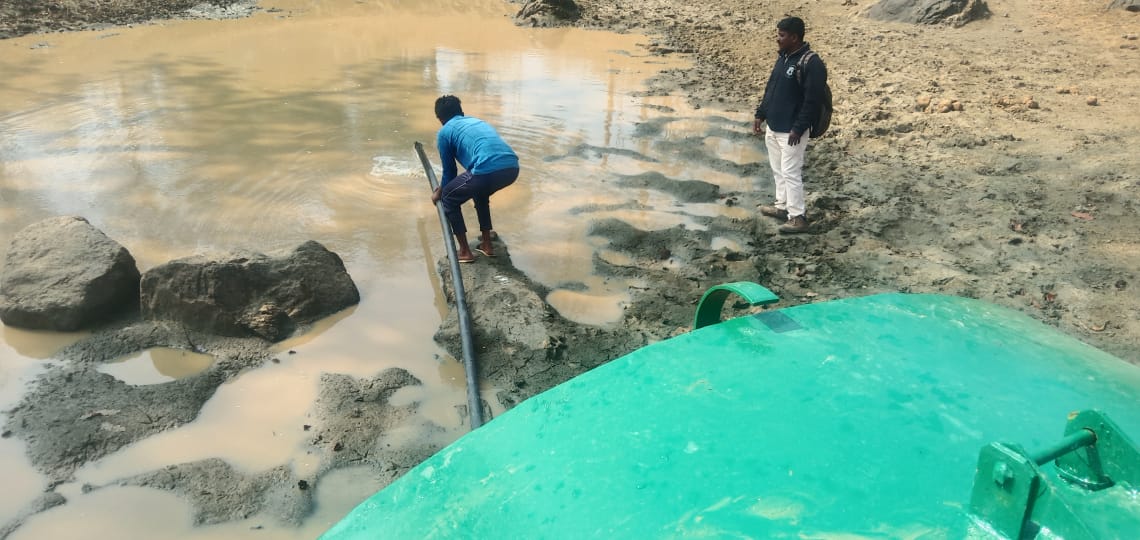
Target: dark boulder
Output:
[(1130, 5), (63, 274), (955, 12), (548, 13), (249, 294)]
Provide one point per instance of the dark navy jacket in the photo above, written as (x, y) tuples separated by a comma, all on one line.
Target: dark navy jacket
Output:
[(788, 104)]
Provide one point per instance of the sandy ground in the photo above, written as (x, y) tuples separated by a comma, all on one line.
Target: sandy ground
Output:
[(1024, 198)]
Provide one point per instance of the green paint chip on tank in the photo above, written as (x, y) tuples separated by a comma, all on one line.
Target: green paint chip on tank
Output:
[(777, 321)]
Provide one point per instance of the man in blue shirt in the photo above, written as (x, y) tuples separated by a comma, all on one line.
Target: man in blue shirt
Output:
[(791, 105), (489, 163)]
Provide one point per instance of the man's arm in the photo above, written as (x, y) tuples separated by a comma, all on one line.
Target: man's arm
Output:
[(762, 108), (446, 157)]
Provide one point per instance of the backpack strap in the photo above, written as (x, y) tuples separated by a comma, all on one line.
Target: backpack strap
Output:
[(801, 64)]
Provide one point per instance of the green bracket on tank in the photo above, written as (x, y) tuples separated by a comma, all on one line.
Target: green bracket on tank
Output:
[(708, 309), (1014, 497), (1114, 459)]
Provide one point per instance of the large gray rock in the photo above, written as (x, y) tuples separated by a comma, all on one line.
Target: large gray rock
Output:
[(1130, 5), (249, 294), (956, 12), (63, 274)]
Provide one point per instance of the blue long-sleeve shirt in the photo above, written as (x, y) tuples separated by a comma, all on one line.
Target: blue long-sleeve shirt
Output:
[(789, 104), (475, 145)]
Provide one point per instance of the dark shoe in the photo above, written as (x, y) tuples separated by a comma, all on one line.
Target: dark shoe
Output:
[(772, 211), (795, 225)]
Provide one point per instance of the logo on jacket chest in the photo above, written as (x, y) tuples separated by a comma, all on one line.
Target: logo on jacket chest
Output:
[(791, 72)]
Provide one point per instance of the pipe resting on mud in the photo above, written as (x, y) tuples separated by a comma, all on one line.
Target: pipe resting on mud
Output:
[(474, 404)]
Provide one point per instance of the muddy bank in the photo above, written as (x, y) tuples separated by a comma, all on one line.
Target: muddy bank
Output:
[(74, 414), (21, 17)]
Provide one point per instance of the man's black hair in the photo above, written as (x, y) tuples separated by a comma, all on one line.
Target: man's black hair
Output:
[(447, 107), (792, 25)]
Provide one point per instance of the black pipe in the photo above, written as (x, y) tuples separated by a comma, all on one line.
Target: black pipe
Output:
[(1078, 439), (474, 404)]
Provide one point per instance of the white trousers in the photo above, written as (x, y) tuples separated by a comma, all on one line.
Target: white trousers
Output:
[(787, 170)]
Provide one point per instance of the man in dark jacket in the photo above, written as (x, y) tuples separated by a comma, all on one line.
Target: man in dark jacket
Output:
[(791, 106)]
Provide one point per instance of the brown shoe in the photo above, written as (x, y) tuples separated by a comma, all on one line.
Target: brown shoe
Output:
[(772, 211), (795, 225)]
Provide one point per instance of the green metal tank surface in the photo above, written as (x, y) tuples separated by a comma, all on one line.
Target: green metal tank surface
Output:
[(861, 418)]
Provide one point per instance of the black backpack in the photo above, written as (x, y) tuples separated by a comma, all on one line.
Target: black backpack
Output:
[(825, 108)]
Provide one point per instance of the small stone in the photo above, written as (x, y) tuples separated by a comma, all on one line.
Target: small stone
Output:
[(1092, 101), (1004, 101), (114, 428), (302, 485)]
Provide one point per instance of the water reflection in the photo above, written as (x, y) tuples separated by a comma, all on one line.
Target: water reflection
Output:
[(158, 365), (267, 132), (37, 343)]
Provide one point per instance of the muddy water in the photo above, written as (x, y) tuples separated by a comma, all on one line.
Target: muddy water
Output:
[(262, 133)]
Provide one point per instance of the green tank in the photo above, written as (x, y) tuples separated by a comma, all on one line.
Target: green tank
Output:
[(886, 416)]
